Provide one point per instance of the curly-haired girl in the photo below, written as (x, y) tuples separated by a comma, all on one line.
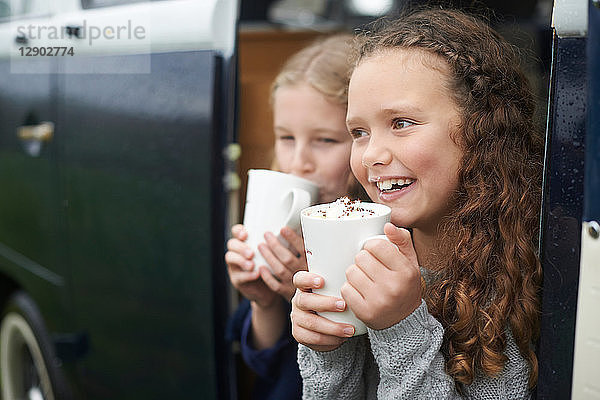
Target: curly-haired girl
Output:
[(442, 120)]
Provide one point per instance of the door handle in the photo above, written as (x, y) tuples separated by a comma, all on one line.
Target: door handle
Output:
[(21, 39), (42, 131), (74, 30)]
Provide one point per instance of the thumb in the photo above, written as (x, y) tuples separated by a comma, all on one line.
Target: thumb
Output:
[(402, 239)]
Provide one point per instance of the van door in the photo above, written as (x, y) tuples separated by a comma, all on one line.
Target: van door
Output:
[(140, 160), (30, 204)]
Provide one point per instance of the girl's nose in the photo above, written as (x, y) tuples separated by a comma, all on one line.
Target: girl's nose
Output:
[(303, 162), (376, 153)]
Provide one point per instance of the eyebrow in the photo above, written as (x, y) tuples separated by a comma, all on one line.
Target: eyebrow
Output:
[(394, 109), (400, 108), (353, 121)]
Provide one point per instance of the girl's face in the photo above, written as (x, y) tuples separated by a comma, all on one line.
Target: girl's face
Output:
[(400, 116), (311, 140)]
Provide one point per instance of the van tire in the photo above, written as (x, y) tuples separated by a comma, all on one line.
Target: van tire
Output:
[(28, 368)]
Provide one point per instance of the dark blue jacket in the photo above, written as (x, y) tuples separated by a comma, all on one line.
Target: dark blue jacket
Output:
[(278, 377)]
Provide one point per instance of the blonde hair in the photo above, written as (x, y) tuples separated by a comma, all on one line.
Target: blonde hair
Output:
[(324, 65)]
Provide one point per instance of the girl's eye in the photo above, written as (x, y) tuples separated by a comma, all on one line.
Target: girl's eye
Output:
[(289, 137), (358, 133), (327, 140), (401, 123)]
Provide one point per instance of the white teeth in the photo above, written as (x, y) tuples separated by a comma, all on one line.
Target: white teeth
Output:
[(387, 183)]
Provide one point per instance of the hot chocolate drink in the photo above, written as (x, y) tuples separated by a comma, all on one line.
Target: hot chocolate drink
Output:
[(342, 208)]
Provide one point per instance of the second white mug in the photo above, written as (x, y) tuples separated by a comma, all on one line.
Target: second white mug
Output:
[(274, 200)]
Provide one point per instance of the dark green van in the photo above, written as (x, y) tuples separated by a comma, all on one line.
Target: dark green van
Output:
[(113, 117)]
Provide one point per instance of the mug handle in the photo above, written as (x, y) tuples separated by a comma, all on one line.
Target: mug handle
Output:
[(300, 200), (362, 242)]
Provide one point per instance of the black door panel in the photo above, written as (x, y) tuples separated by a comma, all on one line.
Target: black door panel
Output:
[(136, 165)]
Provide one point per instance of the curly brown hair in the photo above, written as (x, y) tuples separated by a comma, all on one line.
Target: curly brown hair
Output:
[(488, 273)]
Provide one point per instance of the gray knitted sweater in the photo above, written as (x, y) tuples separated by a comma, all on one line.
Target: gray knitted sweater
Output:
[(402, 362)]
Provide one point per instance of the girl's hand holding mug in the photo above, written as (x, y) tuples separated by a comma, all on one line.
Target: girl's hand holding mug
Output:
[(310, 329), (244, 277), (384, 285), (262, 285), (382, 288), (284, 263)]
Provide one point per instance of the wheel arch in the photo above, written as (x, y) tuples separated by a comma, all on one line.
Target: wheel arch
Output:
[(11, 291), (8, 287)]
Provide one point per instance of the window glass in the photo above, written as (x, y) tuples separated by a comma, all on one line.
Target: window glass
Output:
[(15, 8), (4, 9), (110, 3)]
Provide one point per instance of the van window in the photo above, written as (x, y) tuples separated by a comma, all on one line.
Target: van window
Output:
[(15, 8), (21, 9), (110, 3), (4, 10)]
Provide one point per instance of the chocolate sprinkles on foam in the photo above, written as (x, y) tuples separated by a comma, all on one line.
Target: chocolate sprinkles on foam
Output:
[(349, 207)]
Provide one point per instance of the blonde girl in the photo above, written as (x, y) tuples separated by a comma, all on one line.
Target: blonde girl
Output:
[(309, 98)]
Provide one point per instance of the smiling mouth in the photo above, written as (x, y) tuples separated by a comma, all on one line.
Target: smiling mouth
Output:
[(390, 185)]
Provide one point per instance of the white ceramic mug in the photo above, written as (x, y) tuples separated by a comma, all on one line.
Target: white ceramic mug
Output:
[(332, 244), (274, 200)]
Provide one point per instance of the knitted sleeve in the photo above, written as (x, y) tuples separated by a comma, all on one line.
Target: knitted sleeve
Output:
[(411, 365), (343, 373)]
